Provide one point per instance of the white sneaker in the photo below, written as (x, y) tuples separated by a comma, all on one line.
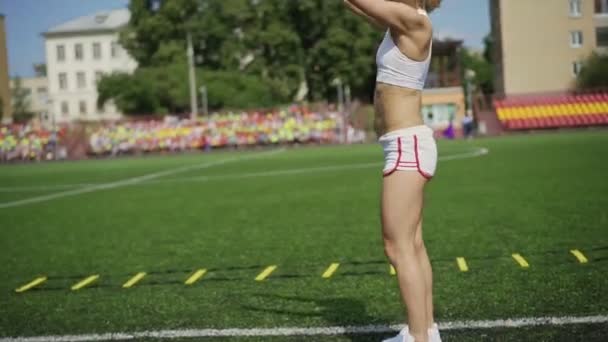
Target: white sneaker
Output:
[(404, 336), (434, 334)]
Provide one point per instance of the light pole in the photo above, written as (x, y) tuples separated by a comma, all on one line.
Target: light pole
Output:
[(470, 77), (347, 96), (204, 98), (348, 112), (192, 74), (54, 136), (338, 84)]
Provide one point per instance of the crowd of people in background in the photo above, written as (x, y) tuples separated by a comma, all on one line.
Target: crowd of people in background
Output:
[(28, 142), (290, 125)]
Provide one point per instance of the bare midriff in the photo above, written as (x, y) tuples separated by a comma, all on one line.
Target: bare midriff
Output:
[(396, 108)]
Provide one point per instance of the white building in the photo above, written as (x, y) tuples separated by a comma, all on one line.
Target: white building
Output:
[(36, 89), (78, 52)]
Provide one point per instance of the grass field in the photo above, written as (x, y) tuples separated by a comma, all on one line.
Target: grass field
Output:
[(236, 213)]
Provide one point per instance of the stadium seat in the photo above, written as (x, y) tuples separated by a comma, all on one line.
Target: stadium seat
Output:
[(553, 111)]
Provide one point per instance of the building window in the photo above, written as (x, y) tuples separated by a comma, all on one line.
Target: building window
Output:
[(82, 107), (98, 76), (42, 95), (601, 6), (96, 50), (576, 39), (576, 68), (115, 49), (78, 53), (601, 34), (65, 109), (81, 80), (60, 53), (63, 81), (575, 8)]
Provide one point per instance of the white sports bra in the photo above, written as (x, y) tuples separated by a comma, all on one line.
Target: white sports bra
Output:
[(395, 68)]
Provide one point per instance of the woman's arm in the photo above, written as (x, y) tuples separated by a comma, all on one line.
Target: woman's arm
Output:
[(393, 14), (360, 13)]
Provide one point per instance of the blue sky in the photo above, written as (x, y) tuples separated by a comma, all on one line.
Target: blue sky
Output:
[(27, 19)]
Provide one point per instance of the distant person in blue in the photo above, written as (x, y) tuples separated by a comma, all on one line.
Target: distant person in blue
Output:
[(468, 124), (449, 133)]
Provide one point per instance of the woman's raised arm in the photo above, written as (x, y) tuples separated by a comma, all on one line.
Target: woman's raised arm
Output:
[(360, 13), (392, 14)]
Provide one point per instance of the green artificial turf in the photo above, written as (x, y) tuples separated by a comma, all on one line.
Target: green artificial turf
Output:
[(235, 213)]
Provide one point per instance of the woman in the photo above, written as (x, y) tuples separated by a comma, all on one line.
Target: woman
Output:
[(410, 152)]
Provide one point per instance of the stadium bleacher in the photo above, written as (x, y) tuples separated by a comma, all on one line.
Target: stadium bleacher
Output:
[(552, 111), (289, 125), (294, 124), (25, 142)]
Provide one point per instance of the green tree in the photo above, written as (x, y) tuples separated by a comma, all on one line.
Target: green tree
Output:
[(594, 73), (156, 90), (285, 44), (40, 69), (482, 64), (21, 102), (488, 43), (484, 70), (132, 94), (234, 90), (336, 43)]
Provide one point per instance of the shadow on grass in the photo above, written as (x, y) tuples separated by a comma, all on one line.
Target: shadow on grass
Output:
[(334, 311)]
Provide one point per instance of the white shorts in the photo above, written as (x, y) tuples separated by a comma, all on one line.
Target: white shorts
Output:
[(410, 149)]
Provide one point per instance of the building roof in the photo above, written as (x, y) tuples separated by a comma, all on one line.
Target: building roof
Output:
[(99, 22)]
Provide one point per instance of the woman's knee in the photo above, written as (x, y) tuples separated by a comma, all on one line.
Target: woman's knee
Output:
[(419, 243), (390, 250), (398, 249)]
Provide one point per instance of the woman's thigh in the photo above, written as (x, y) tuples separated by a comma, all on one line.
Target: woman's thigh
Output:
[(402, 201)]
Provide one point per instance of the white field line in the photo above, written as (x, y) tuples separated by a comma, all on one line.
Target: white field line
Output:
[(132, 181), (477, 153), (320, 331), (38, 188)]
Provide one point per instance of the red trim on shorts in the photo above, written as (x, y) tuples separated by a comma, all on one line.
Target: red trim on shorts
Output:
[(424, 174), (386, 174)]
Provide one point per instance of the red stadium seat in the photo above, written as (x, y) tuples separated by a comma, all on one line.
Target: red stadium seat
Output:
[(544, 122), (572, 121), (574, 110)]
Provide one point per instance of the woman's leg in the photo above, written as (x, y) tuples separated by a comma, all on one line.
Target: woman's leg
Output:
[(402, 199), (427, 269)]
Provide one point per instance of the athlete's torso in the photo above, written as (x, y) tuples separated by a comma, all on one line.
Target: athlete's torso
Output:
[(399, 83)]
